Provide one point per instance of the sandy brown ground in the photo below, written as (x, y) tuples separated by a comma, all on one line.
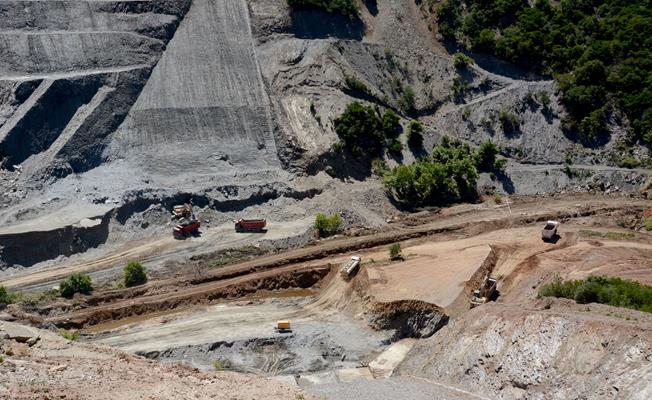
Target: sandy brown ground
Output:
[(55, 368), (433, 272)]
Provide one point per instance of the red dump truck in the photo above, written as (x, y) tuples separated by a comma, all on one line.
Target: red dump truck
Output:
[(185, 228), (250, 225)]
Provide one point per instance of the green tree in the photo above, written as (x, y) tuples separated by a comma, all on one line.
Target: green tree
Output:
[(415, 134), (485, 156), (448, 175), (395, 252), (407, 102), (360, 129), (4, 296), (327, 225), (461, 60), (134, 274), (76, 283)]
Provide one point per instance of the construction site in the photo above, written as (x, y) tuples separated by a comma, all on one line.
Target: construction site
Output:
[(194, 138)]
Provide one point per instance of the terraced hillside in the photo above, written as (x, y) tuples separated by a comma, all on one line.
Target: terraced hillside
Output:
[(113, 111)]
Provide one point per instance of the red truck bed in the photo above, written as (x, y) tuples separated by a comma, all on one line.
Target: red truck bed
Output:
[(184, 230), (242, 225)]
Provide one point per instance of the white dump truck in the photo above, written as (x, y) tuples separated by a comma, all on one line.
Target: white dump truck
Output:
[(349, 269), (549, 231)]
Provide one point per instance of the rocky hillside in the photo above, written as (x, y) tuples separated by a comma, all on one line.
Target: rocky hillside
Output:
[(113, 111), (40, 364), (550, 352)]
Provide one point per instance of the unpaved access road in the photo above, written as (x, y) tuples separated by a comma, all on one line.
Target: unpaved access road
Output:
[(466, 219), (152, 252)]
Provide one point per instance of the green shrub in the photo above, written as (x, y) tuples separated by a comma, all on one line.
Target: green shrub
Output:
[(360, 129), (365, 132), (395, 147), (379, 167), (415, 134), (134, 274), (407, 102), (447, 176), (509, 121), (328, 225), (355, 85), (70, 335), (4, 296), (76, 283), (648, 224), (485, 156), (543, 98), (498, 199), (461, 60), (391, 125), (344, 7), (395, 252), (602, 289)]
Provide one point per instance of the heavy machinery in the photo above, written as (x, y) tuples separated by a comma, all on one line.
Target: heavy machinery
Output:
[(283, 326), (485, 292), (186, 222), (182, 211), (185, 228), (549, 231), (250, 225), (349, 269)]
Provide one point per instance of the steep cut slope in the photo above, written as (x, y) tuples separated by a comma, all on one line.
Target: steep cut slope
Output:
[(203, 111), (513, 353)]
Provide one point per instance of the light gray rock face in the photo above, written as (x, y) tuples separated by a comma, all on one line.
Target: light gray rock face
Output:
[(203, 110)]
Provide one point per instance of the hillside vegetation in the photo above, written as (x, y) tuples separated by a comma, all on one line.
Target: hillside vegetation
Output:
[(448, 175), (598, 50), (602, 289)]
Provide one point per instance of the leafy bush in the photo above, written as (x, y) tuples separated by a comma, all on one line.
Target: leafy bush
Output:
[(355, 85), (485, 156), (509, 121), (498, 199), (134, 274), (76, 283), (327, 225), (70, 335), (597, 50), (379, 167), (602, 289), (395, 252), (648, 224), (407, 102), (365, 132), (344, 7), (461, 60), (5, 298), (415, 134), (360, 129), (447, 176)]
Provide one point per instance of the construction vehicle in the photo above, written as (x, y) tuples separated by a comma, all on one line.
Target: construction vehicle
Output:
[(283, 326), (185, 228), (186, 222), (250, 225), (549, 231), (182, 211), (485, 292), (349, 269)]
